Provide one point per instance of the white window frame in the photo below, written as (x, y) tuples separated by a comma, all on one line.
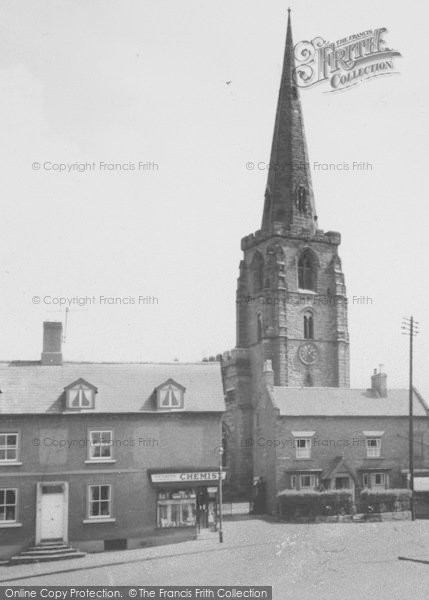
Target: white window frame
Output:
[(5, 446), (373, 451), (303, 451), (293, 482), (15, 520), (313, 481), (81, 390), (90, 502), (100, 445)]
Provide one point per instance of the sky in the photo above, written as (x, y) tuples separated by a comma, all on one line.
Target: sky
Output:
[(129, 82)]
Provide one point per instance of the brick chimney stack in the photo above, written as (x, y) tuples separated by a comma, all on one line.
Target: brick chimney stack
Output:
[(379, 383), (52, 340)]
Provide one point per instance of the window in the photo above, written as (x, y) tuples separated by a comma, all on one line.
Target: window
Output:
[(170, 395), (303, 447), (8, 447), (373, 447), (177, 509), (101, 443), (100, 501), (293, 482), (365, 480), (308, 326), (8, 504), (307, 481), (80, 395), (378, 480), (257, 268), (306, 271)]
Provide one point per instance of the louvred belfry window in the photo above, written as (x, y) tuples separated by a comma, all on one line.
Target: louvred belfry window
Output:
[(307, 271), (80, 395)]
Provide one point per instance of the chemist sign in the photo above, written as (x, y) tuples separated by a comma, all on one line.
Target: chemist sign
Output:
[(187, 477)]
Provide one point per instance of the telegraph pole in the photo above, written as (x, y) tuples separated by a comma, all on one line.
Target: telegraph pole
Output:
[(410, 328)]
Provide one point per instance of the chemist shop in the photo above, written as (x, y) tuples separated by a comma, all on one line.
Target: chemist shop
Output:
[(187, 498)]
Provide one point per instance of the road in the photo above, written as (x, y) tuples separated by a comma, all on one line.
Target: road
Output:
[(325, 561)]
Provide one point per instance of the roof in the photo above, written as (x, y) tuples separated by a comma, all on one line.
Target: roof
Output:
[(122, 387), (338, 402), (338, 465)]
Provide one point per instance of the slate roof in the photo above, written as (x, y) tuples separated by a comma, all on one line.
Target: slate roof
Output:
[(29, 388), (336, 402)]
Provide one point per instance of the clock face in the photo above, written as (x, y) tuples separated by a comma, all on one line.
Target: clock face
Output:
[(308, 354)]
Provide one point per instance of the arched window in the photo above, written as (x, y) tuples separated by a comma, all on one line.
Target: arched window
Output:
[(307, 271), (259, 327), (257, 268), (308, 326)]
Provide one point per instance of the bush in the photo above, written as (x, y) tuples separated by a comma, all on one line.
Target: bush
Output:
[(294, 504), (380, 501)]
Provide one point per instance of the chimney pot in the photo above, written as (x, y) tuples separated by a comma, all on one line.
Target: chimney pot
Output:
[(52, 340)]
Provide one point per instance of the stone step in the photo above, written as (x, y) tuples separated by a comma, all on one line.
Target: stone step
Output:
[(44, 553), (25, 560)]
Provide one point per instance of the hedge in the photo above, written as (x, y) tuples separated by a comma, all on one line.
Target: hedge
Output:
[(380, 501), (294, 504)]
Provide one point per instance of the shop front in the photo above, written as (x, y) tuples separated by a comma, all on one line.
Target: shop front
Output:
[(187, 499)]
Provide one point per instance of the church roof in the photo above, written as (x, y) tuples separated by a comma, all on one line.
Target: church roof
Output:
[(121, 387), (338, 402)]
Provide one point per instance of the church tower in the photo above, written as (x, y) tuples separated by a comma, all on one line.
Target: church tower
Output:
[(291, 297)]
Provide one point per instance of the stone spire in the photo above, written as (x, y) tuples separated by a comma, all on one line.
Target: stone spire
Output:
[(289, 194)]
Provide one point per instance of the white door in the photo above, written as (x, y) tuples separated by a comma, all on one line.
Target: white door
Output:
[(52, 518)]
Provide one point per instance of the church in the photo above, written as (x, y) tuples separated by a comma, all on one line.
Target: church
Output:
[(291, 420)]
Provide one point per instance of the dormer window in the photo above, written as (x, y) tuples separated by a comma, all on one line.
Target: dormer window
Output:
[(170, 396), (80, 395)]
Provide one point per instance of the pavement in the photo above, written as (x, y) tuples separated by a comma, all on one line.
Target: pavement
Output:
[(330, 561)]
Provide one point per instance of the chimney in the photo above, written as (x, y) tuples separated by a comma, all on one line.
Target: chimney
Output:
[(379, 383), (269, 373), (52, 338)]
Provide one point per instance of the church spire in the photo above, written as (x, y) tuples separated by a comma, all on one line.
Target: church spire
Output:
[(289, 194)]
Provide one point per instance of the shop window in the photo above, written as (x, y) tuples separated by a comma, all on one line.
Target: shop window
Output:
[(177, 509), (101, 443), (100, 501), (8, 505), (8, 447)]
